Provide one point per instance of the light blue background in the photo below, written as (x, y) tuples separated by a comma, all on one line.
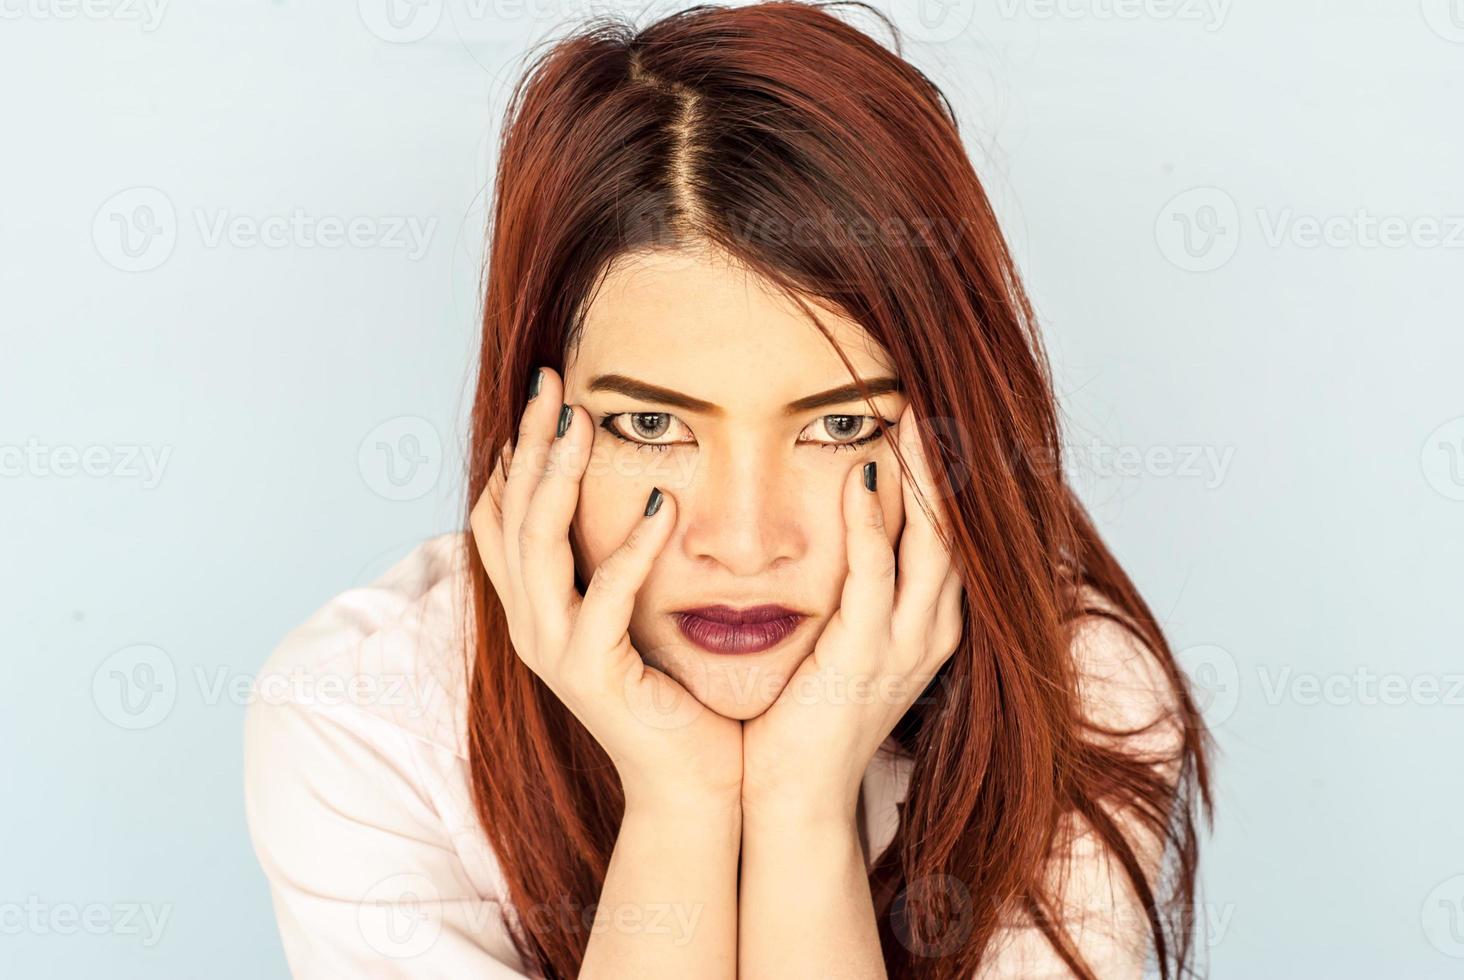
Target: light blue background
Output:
[(1307, 531)]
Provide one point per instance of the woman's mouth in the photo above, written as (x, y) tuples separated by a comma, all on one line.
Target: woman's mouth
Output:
[(723, 629)]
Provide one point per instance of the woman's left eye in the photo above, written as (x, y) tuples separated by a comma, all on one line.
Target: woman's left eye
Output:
[(849, 431)]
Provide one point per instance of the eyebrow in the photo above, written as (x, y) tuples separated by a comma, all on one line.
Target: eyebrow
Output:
[(646, 391)]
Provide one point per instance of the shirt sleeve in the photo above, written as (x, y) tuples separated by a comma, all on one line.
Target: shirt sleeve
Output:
[(363, 874)]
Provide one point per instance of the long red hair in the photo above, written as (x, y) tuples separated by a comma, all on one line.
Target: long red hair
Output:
[(830, 165)]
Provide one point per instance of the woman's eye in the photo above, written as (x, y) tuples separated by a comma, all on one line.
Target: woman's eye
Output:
[(644, 429), (848, 431)]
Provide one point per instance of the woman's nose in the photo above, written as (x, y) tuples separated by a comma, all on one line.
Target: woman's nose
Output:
[(744, 513)]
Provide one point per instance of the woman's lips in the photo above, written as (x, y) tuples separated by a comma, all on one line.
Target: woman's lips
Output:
[(721, 629)]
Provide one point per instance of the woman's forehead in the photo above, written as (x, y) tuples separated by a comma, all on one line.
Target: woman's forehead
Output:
[(701, 324)]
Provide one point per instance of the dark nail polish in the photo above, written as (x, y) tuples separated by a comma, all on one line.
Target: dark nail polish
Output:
[(653, 502), (870, 477), (565, 415), (535, 383)]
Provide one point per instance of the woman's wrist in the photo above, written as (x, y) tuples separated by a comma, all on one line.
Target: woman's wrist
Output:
[(713, 808), (827, 811)]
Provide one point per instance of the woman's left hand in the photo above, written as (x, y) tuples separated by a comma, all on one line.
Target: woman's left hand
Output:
[(897, 623)]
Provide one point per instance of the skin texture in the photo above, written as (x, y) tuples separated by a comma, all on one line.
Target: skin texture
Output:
[(759, 755)]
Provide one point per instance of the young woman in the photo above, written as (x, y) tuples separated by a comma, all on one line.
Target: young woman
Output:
[(777, 645)]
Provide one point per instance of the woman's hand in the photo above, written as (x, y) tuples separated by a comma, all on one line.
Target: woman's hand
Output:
[(805, 757), (669, 749)]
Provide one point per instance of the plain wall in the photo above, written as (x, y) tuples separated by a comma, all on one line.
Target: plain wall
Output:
[(1243, 225)]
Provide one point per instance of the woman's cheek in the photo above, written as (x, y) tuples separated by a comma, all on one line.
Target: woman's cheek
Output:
[(601, 522)]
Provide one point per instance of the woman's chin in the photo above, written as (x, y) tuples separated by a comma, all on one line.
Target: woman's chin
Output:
[(733, 687), (738, 710)]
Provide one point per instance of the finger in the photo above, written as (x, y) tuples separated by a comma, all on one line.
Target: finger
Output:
[(605, 612), (868, 594), (499, 477), (546, 560), (536, 431), (949, 622), (924, 559), (486, 522)]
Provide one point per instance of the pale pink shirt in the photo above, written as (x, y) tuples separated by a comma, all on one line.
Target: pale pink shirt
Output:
[(357, 794)]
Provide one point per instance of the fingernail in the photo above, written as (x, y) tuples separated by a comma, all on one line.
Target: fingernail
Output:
[(565, 414), (870, 478), (536, 381), (653, 502)]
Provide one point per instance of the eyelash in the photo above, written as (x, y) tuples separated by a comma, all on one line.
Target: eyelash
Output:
[(607, 423)]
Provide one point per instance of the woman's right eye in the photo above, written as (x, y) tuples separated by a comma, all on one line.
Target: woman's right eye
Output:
[(646, 430)]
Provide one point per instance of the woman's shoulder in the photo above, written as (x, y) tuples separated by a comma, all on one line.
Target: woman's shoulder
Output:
[(360, 710), (1128, 692), (355, 782), (392, 651)]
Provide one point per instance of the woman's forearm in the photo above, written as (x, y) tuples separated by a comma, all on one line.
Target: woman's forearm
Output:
[(804, 908), (668, 908)]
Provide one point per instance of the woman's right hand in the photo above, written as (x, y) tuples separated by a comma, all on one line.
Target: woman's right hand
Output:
[(669, 748)]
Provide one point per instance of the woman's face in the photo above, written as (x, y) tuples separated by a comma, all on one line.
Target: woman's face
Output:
[(758, 484)]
